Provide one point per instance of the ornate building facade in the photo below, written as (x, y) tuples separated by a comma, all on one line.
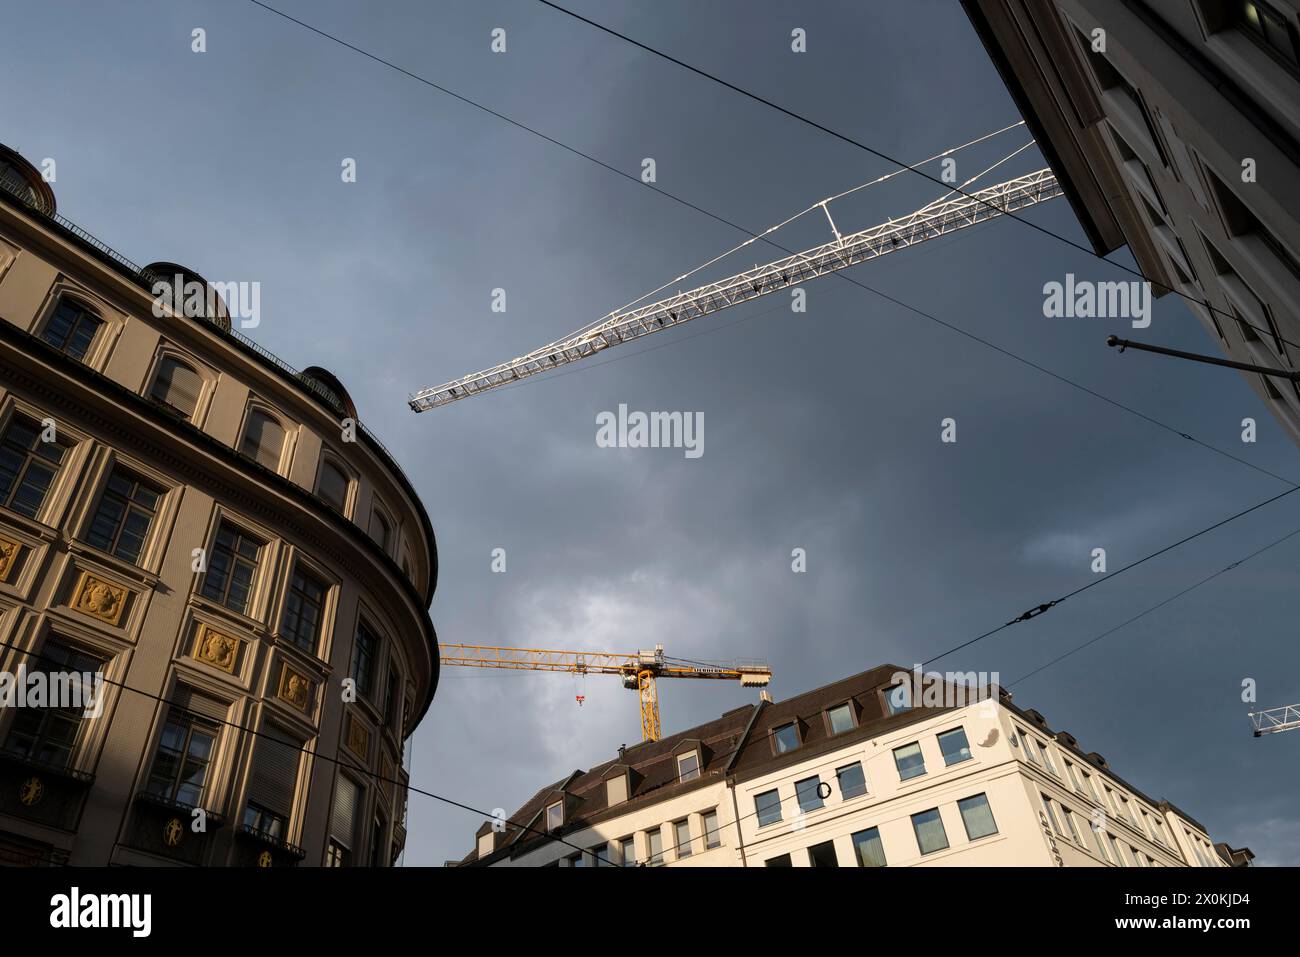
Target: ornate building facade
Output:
[(239, 567)]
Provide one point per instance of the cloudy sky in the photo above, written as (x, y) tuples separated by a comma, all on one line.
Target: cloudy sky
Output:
[(821, 430)]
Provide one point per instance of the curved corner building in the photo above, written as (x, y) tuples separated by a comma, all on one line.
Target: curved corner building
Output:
[(212, 534)]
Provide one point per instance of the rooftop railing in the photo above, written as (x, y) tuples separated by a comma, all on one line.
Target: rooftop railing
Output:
[(146, 280)]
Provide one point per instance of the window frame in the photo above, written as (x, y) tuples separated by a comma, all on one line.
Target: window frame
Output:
[(961, 812), (235, 557), (258, 408), (938, 816), (698, 770), (920, 754), (846, 705), (960, 729), (192, 723), (777, 749), (64, 442), (866, 787), (130, 506), (761, 812), (84, 310)]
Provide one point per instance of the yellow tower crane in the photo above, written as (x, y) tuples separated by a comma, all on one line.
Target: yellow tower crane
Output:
[(639, 671)]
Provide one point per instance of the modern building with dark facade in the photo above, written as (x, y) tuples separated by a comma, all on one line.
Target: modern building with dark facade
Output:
[(1174, 127), (217, 537)]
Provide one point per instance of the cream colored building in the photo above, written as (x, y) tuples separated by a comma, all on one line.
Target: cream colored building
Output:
[(215, 535), (850, 775), (1174, 127)]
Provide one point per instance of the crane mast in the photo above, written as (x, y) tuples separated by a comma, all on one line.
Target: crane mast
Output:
[(943, 216), (639, 672)]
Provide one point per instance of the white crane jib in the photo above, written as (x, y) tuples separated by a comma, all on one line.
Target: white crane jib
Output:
[(937, 219)]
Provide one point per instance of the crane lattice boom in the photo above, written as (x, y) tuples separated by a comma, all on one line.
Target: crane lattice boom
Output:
[(639, 671), (930, 222), (1276, 719)]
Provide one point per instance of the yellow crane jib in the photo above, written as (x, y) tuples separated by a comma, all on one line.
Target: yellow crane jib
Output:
[(639, 672)]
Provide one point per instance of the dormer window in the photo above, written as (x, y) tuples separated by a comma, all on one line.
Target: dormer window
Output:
[(554, 816), (897, 699), (841, 718), (688, 766), (786, 738)]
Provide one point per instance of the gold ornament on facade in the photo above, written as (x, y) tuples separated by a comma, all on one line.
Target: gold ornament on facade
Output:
[(358, 737), (295, 689), (99, 599), (216, 649), (8, 556), (173, 831), (31, 791), (264, 859)]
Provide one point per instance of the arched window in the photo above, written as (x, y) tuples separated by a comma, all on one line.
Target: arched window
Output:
[(176, 385), (72, 329), (263, 439), (380, 530), (332, 486)]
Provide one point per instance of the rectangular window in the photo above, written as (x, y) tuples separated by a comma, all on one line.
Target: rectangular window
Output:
[(364, 652), (1271, 28), (977, 816), (626, 851), (377, 843), (28, 465), (48, 735), (808, 792), (1052, 816), (554, 816), (344, 813), (600, 856), (841, 718), (930, 835), (786, 738), (823, 855), (656, 838), (954, 746), (273, 783), (180, 765), (688, 766), (71, 330), (852, 781), (1031, 747), (782, 860), (1047, 757), (125, 514), (1100, 837), (909, 761), (768, 807), (682, 835), (869, 850), (712, 832), (1069, 823), (232, 566), (304, 609)]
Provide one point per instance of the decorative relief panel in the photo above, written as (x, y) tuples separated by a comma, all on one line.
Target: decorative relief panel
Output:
[(358, 738), (9, 550), (295, 688), (217, 649), (100, 599)]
